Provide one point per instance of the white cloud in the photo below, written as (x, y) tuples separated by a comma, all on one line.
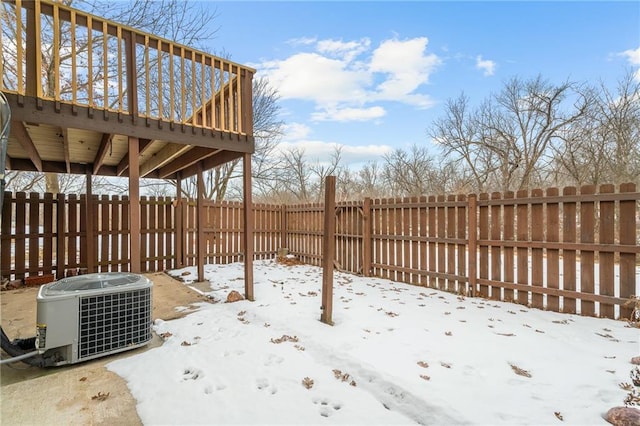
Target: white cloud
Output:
[(406, 65), (301, 41), (316, 77), (347, 80), (486, 65), (349, 114), (633, 56), (294, 131), (346, 50)]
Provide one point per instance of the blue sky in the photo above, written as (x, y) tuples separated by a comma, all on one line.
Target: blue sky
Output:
[(372, 76)]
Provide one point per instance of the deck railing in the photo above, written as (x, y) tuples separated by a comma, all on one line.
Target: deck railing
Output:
[(65, 55)]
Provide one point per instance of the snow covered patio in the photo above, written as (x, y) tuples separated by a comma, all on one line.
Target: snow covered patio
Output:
[(397, 354)]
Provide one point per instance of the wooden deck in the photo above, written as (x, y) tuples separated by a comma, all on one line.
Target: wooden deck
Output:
[(94, 97), (80, 87)]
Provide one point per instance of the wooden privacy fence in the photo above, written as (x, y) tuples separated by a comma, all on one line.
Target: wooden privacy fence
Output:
[(572, 250)]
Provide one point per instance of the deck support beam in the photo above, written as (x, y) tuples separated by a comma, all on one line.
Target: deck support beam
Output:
[(248, 228), (134, 204), (200, 223), (328, 249)]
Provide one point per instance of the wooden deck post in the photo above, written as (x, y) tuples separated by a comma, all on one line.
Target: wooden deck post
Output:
[(33, 52), (200, 224), (628, 231), (329, 249), (134, 204), (248, 228)]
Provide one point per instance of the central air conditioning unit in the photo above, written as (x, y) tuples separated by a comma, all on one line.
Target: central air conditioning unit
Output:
[(88, 316)]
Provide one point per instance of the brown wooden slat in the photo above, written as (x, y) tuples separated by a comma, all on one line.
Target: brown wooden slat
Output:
[(483, 224), (589, 297), (569, 235), (20, 226), (508, 252), (61, 232), (104, 258), (116, 233), (406, 246), (537, 234), (33, 236), (553, 261), (47, 244), (522, 231), (628, 261), (496, 260), (415, 245), (461, 234), (73, 232), (587, 257), (144, 241), (125, 242), (422, 233), (606, 235), (431, 212), (441, 246)]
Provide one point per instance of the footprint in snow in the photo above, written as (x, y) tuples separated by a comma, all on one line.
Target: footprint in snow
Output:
[(263, 385), (327, 408), (192, 374)]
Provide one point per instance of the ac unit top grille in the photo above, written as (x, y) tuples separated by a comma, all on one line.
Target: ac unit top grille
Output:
[(84, 283)]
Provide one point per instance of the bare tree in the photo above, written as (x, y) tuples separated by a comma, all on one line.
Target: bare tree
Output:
[(410, 173), (506, 143), (604, 146)]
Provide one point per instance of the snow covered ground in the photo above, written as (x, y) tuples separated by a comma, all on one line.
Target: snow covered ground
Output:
[(397, 354)]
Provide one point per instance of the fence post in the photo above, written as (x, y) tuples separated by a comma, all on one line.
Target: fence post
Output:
[(366, 237), (329, 247), (473, 241), (627, 237)]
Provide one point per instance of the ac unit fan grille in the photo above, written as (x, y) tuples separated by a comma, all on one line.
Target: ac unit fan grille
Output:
[(114, 321)]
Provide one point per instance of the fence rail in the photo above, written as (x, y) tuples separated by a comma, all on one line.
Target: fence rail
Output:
[(573, 250)]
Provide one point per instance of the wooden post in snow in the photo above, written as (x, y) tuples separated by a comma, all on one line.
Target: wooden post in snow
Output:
[(329, 249)]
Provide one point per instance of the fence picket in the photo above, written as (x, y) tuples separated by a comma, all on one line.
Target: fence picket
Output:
[(553, 262), (433, 268), (451, 247), (483, 225), (47, 243), (461, 235), (522, 253), (606, 259), (508, 252), (496, 252), (537, 235), (587, 257), (628, 227), (569, 236)]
